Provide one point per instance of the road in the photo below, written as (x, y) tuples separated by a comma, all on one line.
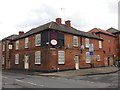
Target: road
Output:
[(13, 80)]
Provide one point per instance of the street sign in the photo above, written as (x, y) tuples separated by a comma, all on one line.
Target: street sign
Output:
[(91, 53), (91, 47)]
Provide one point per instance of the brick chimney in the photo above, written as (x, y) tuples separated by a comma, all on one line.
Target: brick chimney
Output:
[(59, 21), (21, 32), (68, 23)]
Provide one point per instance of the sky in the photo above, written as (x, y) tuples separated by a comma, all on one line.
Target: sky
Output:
[(23, 15)]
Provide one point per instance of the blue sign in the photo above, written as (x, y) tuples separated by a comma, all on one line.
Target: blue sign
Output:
[(91, 53)]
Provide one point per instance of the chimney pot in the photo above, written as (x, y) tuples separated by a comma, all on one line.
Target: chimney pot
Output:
[(21, 32), (68, 23), (59, 21)]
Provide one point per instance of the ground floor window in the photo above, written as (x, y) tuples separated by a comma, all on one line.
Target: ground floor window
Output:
[(61, 57), (3, 60), (98, 57), (37, 57), (87, 57), (16, 58)]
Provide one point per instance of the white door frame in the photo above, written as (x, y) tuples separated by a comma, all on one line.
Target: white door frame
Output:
[(26, 62), (76, 62)]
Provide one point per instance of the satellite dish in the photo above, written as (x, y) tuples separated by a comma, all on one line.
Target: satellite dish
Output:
[(54, 42), (82, 47)]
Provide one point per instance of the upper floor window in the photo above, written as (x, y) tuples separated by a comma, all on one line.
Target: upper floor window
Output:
[(26, 42), (10, 46), (16, 58), (100, 44), (61, 57), (75, 41), (87, 42), (3, 48), (37, 57), (17, 45), (38, 40)]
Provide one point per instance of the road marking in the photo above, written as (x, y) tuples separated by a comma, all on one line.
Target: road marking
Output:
[(4, 77), (19, 80)]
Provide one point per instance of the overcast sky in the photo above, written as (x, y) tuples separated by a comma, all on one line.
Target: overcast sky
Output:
[(23, 15)]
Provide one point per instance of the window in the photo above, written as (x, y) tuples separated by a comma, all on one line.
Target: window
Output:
[(17, 45), (26, 42), (87, 42), (38, 40), (16, 58), (37, 57), (87, 57), (61, 57), (98, 57), (100, 44), (3, 48), (10, 46), (3, 60), (108, 41), (75, 41)]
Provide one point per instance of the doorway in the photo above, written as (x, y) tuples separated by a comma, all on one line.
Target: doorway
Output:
[(26, 62), (76, 62)]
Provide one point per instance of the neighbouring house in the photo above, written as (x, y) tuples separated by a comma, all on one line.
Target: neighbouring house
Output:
[(6, 47), (109, 45), (117, 34), (54, 46)]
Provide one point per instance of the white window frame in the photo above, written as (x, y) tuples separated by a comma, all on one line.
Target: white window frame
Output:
[(10, 46), (38, 57), (26, 42), (38, 40), (87, 42), (17, 45), (88, 59), (100, 44), (75, 41), (61, 57), (98, 57), (16, 58), (3, 60), (3, 48)]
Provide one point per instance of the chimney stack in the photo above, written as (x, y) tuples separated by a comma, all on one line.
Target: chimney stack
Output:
[(59, 21), (68, 23), (21, 32)]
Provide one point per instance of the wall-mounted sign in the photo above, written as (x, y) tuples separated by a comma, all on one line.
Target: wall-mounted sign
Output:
[(54, 42)]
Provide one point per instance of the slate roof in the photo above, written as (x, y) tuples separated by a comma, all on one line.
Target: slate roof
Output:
[(97, 30), (113, 30), (11, 37), (55, 26)]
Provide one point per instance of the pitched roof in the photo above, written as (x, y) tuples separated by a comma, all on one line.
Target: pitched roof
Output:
[(55, 26), (97, 30), (113, 30), (11, 37)]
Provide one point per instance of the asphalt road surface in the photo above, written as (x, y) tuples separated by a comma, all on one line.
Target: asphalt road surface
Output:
[(13, 80)]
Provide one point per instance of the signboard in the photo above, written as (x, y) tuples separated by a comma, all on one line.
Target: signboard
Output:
[(91, 53), (91, 49), (53, 42)]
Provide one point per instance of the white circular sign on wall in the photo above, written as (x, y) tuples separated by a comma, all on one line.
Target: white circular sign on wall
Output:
[(54, 42)]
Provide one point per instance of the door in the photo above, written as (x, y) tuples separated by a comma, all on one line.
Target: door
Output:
[(76, 62), (26, 62)]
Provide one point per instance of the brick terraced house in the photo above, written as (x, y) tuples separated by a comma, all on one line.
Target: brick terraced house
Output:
[(109, 45), (51, 47)]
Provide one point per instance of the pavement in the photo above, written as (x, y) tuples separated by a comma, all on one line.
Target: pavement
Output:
[(70, 73)]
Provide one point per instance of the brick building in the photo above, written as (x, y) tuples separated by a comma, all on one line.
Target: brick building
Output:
[(109, 45), (117, 34), (54, 46)]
